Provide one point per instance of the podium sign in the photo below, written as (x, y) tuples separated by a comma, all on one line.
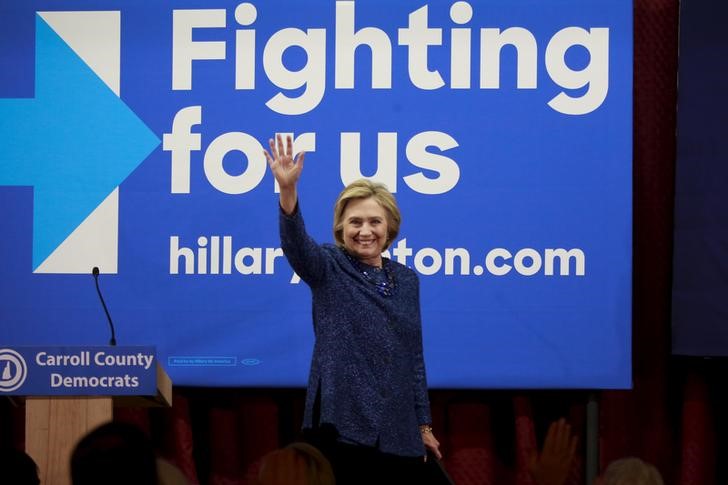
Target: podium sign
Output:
[(78, 371), (71, 390)]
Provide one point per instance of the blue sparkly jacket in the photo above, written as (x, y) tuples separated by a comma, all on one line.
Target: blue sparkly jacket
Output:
[(367, 364)]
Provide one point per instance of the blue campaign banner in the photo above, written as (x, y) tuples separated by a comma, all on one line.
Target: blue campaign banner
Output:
[(78, 371), (132, 141)]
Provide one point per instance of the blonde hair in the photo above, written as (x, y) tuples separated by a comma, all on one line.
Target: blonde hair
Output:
[(319, 468), (631, 471), (300, 460), (364, 189)]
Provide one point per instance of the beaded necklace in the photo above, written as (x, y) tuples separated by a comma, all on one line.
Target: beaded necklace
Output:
[(385, 287)]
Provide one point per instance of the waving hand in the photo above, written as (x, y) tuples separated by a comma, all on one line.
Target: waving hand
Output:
[(285, 169)]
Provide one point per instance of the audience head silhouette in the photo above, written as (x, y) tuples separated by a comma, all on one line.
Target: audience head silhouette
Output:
[(17, 467), (630, 471), (296, 464), (114, 454)]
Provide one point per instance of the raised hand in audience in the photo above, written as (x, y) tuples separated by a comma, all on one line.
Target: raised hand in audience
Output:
[(552, 465)]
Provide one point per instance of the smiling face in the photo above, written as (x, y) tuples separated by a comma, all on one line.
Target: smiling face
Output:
[(365, 230)]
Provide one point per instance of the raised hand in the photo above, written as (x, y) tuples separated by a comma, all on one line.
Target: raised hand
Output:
[(553, 464), (281, 163), (285, 170)]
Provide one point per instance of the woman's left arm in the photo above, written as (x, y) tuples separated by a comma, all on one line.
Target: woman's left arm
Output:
[(422, 400), (422, 405), (431, 443)]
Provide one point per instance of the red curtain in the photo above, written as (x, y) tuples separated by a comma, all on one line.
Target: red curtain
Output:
[(670, 418)]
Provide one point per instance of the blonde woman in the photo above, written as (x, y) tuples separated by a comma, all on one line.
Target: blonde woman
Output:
[(367, 381)]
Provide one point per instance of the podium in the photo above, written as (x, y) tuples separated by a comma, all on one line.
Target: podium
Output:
[(60, 410)]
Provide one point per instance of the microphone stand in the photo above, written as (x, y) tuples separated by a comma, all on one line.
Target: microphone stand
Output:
[(95, 272)]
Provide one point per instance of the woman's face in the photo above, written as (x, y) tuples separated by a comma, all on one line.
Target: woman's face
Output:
[(365, 230)]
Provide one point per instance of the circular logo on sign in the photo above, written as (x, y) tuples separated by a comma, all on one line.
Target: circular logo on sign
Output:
[(13, 370)]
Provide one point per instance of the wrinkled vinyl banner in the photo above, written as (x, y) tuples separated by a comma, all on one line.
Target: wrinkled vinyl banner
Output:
[(132, 137)]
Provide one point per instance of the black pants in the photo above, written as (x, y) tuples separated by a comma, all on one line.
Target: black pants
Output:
[(355, 465), (359, 465)]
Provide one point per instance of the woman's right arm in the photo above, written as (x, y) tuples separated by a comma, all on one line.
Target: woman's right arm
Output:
[(285, 170), (305, 256)]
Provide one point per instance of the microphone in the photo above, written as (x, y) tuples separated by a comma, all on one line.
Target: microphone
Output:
[(95, 272)]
